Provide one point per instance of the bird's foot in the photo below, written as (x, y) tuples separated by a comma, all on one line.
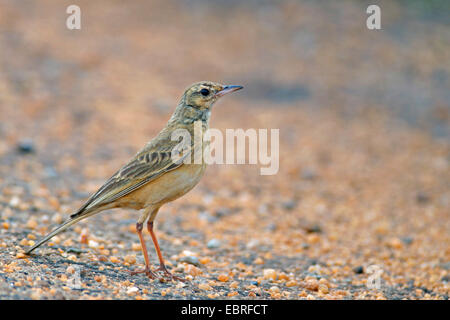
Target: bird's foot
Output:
[(169, 276), (146, 270)]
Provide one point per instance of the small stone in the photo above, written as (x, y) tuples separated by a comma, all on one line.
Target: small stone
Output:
[(258, 261), (358, 269), (114, 259), (252, 244), (289, 204), (57, 218), (14, 202), (92, 244), (407, 240), (20, 255), (213, 244), (205, 260), (130, 259), (309, 174), (132, 290), (274, 289), (193, 270), (313, 238), (395, 243), (313, 229), (70, 270), (222, 212), (84, 236), (291, 283), (422, 197), (25, 146), (223, 278), (269, 274), (191, 260), (72, 257), (50, 172), (68, 243), (136, 247), (323, 288), (283, 276), (204, 286), (312, 284)]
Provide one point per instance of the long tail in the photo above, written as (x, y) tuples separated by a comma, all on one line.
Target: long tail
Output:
[(60, 229)]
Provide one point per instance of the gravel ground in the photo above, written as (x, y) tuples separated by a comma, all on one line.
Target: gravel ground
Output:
[(358, 210)]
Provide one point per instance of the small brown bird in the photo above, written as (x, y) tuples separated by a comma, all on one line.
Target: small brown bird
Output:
[(152, 178)]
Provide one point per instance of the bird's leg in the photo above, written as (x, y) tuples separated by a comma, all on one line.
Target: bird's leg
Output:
[(146, 270), (162, 266)]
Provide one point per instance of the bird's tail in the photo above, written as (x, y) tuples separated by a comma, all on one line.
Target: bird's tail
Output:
[(58, 230)]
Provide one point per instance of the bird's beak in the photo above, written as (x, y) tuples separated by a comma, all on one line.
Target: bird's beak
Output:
[(228, 89)]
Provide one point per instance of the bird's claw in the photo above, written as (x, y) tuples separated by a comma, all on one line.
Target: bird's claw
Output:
[(169, 276), (147, 271)]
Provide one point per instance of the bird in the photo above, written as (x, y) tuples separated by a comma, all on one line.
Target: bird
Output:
[(159, 173)]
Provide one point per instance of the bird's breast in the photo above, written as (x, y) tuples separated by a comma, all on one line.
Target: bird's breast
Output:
[(169, 186)]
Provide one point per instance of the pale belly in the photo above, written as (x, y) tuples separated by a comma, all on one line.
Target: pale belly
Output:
[(168, 187)]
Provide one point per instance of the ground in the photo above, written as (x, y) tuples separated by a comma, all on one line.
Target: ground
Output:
[(362, 189)]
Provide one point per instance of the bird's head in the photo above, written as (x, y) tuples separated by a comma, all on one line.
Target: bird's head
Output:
[(203, 94)]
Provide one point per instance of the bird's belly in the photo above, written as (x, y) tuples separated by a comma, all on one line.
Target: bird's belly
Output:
[(169, 186)]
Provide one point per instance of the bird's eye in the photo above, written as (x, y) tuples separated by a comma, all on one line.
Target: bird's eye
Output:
[(204, 92)]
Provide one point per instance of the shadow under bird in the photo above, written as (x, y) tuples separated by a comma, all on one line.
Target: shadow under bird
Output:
[(151, 178)]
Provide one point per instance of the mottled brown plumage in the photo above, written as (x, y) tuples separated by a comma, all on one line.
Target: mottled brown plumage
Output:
[(152, 178)]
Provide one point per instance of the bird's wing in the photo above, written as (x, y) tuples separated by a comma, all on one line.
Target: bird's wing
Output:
[(147, 165)]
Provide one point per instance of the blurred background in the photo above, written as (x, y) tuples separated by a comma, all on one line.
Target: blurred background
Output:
[(363, 118)]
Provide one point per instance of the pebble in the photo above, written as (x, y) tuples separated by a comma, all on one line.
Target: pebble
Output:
[(315, 228), (289, 204), (92, 244), (132, 290), (422, 197), (72, 257), (114, 259), (130, 259), (26, 146), (308, 174), (323, 288), (70, 270), (136, 247), (223, 278), (193, 270), (312, 284), (358, 269), (213, 244), (269, 274), (14, 202), (205, 260), (191, 260), (84, 236), (204, 286), (21, 255), (274, 289), (291, 283)]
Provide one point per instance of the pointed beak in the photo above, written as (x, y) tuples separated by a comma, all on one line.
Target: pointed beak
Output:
[(228, 89)]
